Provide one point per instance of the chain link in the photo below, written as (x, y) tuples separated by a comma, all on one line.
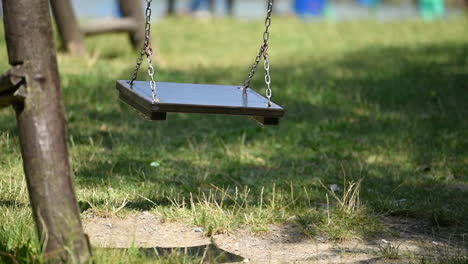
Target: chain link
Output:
[(152, 81), (148, 51), (266, 64), (263, 53)]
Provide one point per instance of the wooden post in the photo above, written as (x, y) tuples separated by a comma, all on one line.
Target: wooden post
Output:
[(68, 27), (42, 131), (171, 9), (230, 7), (212, 6), (110, 25), (134, 9)]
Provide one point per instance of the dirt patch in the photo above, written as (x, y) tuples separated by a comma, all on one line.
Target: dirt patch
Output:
[(283, 244), (141, 230)]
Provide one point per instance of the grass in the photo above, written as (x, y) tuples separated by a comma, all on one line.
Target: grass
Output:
[(388, 250), (346, 218), (385, 103)]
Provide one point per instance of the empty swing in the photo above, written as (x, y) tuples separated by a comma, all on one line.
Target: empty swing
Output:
[(155, 99)]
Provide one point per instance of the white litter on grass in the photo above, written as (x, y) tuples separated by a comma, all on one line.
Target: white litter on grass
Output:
[(155, 164), (335, 187), (401, 201), (199, 229)]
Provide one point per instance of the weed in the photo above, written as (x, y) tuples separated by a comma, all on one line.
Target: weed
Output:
[(389, 250), (344, 219)]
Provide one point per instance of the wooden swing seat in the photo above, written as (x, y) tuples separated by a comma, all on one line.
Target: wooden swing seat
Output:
[(198, 98)]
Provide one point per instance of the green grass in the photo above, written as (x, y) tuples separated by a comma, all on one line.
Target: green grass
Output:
[(389, 251), (385, 103)]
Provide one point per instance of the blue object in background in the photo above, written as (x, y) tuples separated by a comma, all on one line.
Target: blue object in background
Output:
[(198, 4), (369, 3), (305, 8), (432, 9)]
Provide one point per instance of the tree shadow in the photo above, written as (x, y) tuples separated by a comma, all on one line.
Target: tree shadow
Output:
[(206, 253)]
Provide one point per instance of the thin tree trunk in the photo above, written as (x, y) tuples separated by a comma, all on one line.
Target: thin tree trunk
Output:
[(171, 7), (68, 27), (42, 131), (230, 7), (134, 10), (212, 6)]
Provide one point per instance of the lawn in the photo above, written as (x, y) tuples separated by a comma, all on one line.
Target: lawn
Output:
[(379, 109)]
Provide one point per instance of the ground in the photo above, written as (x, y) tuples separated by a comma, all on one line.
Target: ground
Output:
[(373, 142), (282, 244)]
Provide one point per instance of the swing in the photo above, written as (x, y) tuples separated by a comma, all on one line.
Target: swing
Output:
[(155, 99)]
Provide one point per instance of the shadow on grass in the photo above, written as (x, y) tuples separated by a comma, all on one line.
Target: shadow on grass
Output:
[(206, 253)]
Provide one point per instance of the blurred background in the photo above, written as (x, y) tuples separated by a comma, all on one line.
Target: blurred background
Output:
[(307, 9)]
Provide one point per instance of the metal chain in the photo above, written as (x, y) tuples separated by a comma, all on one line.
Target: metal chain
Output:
[(151, 73), (266, 65), (148, 51), (263, 53)]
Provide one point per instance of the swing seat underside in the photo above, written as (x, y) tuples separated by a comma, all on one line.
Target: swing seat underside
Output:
[(198, 98)]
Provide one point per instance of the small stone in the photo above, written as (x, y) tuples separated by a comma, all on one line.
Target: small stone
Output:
[(246, 260)]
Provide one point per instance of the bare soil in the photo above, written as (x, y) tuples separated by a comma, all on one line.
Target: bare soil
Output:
[(282, 244)]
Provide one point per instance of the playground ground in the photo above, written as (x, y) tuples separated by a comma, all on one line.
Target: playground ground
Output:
[(375, 110)]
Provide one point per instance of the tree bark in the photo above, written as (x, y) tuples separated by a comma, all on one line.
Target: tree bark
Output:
[(133, 9), (68, 27), (42, 132)]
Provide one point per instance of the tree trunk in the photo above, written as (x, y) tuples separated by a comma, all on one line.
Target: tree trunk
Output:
[(212, 6), (133, 9), (171, 7), (42, 131), (230, 7), (68, 27)]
